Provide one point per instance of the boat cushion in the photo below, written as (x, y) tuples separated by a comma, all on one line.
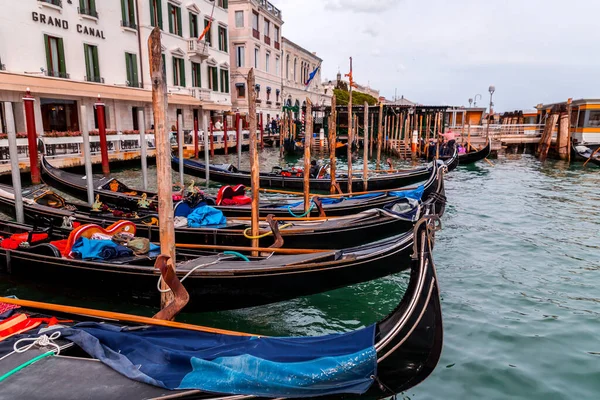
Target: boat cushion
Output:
[(231, 193), (88, 230), (205, 216), (265, 367), (13, 242), (88, 249)]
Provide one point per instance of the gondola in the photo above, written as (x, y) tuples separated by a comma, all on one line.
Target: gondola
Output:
[(586, 154), (403, 350), (289, 207), (474, 156), (231, 175), (215, 281)]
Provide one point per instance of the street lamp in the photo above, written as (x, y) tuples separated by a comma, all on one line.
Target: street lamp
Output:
[(491, 89), (475, 100), (470, 102)]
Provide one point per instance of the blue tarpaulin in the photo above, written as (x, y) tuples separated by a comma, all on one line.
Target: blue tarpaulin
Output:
[(271, 367), (205, 216), (415, 194), (88, 249)]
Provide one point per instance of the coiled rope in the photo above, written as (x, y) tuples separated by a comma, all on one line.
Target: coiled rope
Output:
[(312, 206), (42, 341), (264, 235)]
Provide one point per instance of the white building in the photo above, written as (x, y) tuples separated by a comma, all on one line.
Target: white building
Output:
[(255, 28), (299, 63), (329, 86), (69, 52)]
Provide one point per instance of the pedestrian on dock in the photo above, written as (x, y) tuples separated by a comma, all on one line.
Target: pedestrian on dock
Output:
[(273, 125)]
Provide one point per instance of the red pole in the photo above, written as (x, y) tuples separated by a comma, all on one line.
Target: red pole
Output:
[(262, 132), (196, 147), (225, 133), (34, 167), (100, 114), (212, 140)]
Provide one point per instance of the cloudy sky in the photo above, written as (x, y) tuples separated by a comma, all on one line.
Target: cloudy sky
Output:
[(445, 52)]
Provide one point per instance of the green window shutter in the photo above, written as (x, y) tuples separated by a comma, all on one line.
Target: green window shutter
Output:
[(134, 65), (160, 16), (182, 72), (96, 62), (152, 21), (82, 4), (215, 79), (190, 18), (88, 69), (61, 56), (175, 80), (227, 81), (123, 14), (128, 68), (92, 5), (225, 4), (226, 42), (164, 60), (170, 11), (179, 27), (48, 57)]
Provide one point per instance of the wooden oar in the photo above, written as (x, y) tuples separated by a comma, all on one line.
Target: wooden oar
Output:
[(592, 156), (87, 312), (489, 162), (250, 249)]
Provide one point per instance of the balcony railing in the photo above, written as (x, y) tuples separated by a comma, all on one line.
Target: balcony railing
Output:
[(57, 3), (2, 67), (201, 94), (267, 40), (96, 79), (198, 48), (129, 24), (133, 84), (270, 8), (87, 11), (277, 45), (58, 74), (256, 34)]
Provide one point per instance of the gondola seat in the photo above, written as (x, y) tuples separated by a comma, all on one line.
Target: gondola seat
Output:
[(89, 230), (233, 196), (13, 242)]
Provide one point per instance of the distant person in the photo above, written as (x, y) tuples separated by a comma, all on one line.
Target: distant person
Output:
[(218, 125), (314, 169), (173, 135), (273, 125)]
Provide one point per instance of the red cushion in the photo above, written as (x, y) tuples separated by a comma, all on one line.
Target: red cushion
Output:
[(242, 200)]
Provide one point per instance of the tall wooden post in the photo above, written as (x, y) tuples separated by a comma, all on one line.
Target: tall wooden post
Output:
[(308, 133), (282, 128), (239, 138), (366, 149), (206, 148), (225, 129), (163, 154), (371, 137), (350, 132), (34, 166), (379, 136), (87, 156), (101, 116), (144, 147), (196, 143), (570, 139), (212, 139), (180, 144), (254, 165), (332, 145), (14, 161), (562, 139), (437, 135)]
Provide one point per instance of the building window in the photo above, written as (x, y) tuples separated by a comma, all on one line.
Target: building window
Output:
[(164, 60), (594, 119), (132, 70), (59, 115), (178, 72), (255, 31), (223, 39), (208, 36), (92, 66), (240, 56), (224, 4), (239, 19), (267, 28), (267, 61), (213, 79), (194, 32), (240, 89), (295, 70), (128, 14), (277, 66), (88, 7), (55, 57), (175, 20), (256, 55), (287, 67), (276, 35), (156, 13), (224, 81), (196, 75)]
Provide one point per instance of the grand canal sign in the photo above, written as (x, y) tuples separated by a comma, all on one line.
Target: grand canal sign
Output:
[(64, 24)]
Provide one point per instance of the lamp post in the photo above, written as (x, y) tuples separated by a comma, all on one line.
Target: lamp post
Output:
[(470, 102), (475, 99), (491, 89)]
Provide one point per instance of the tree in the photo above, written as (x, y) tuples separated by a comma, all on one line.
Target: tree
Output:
[(358, 98)]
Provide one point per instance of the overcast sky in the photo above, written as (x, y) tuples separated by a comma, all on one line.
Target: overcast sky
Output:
[(445, 52)]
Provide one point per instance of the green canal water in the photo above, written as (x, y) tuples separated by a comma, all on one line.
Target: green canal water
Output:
[(519, 267)]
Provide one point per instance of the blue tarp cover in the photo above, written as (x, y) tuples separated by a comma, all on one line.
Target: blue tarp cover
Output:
[(415, 194), (270, 367), (88, 249), (205, 216)]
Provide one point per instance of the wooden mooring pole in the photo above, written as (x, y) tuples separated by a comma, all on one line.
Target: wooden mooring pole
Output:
[(546, 140), (366, 148), (379, 135), (14, 160), (562, 140), (163, 155), (308, 133), (144, 147), (254, 165), (87, 156), (332, 145), (350, 130)]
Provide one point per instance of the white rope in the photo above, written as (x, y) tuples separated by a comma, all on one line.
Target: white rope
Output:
[(218, 260), (41, 341)]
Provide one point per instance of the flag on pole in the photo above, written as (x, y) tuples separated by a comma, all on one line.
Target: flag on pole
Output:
[(312, 76)]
